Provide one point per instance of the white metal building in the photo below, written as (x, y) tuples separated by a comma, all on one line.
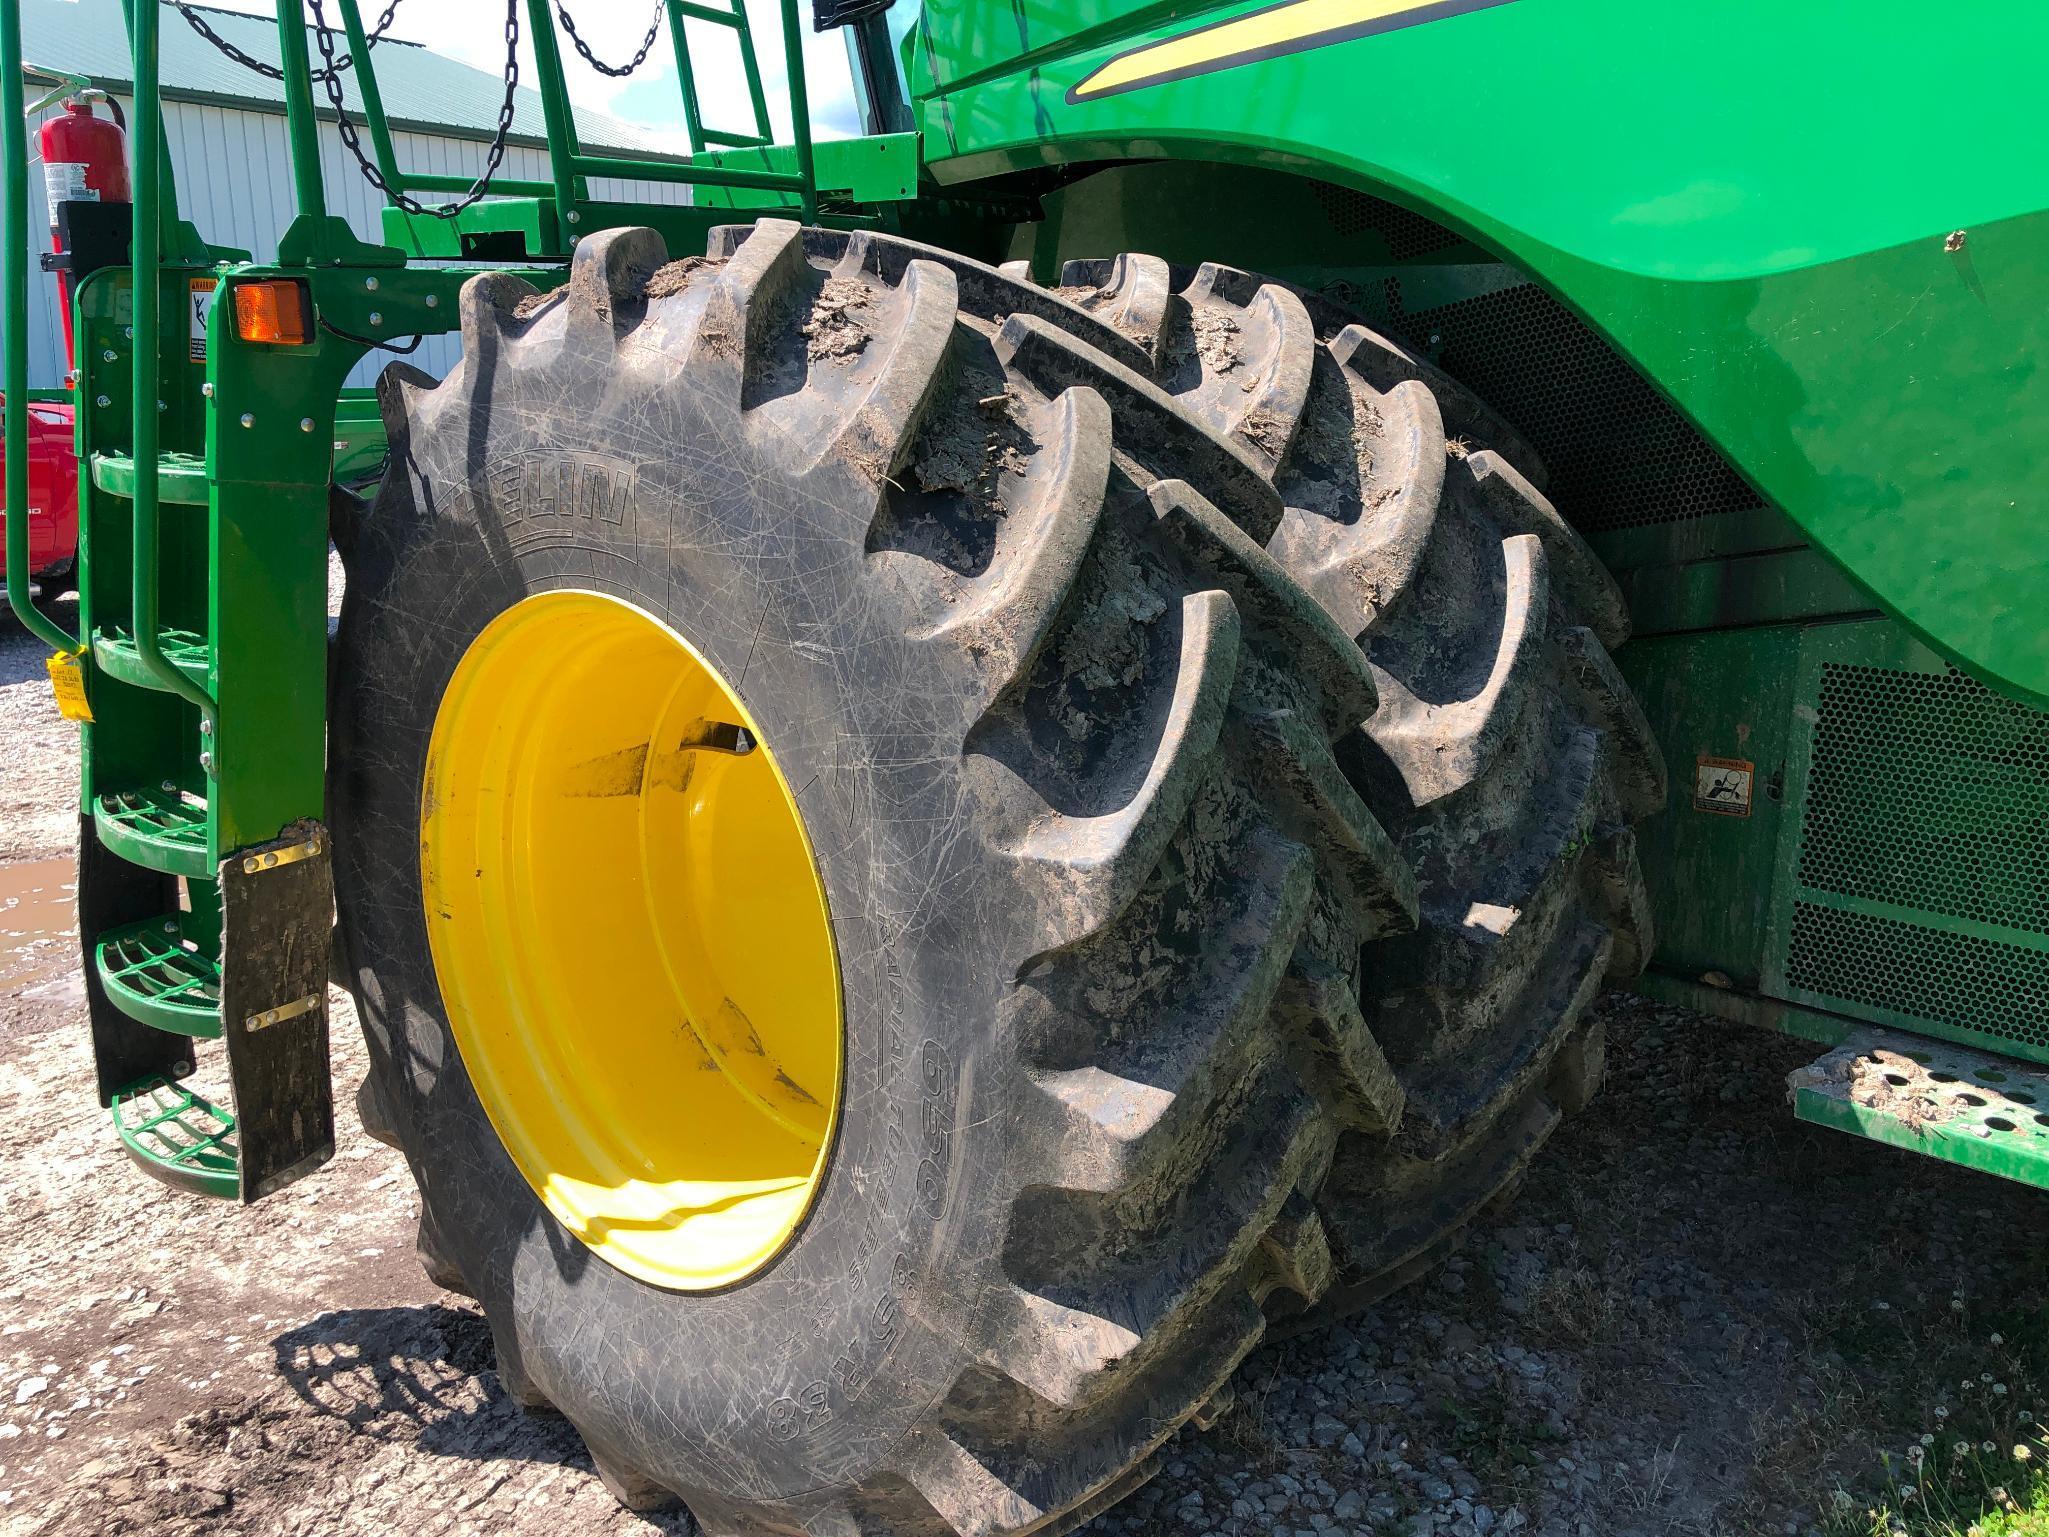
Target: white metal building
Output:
[(225, 126)]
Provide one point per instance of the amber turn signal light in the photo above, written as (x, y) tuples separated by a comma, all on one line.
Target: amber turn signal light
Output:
[(272, 310)]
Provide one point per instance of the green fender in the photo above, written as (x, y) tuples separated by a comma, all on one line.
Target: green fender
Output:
[(1819, 228)]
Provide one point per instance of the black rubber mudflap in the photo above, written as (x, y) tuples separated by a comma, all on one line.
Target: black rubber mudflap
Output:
[(277, 913), (111, 894)]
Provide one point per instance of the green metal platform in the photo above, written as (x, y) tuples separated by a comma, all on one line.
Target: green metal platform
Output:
[(160, 829), (178, 1137), (1928, 1096), (113, 650), (181, 478), (160, 973)]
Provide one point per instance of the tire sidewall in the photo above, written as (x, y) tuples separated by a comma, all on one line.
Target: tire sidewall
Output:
[(806, 1373)]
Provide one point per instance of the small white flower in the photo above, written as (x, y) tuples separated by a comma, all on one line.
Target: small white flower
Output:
[(1984, 1376), (1999, 1339), (1999, 1388), (1928, 1438), (1987, 1447), (1941, 1412), (1962, 1448), (1915, 1454), (2021, 1454)]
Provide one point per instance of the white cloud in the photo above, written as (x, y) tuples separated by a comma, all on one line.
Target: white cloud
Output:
[(472, 32)]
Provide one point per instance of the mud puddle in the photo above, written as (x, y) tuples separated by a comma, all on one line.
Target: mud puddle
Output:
[(38, 922)]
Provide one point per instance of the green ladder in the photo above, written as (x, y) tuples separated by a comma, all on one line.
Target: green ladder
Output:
[(199, 675), (199, 672)]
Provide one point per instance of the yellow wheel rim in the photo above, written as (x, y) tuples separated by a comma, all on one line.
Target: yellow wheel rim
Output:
[(631, 939)]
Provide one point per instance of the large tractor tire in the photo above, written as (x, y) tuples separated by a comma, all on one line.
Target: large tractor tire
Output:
[(879, 931), (1506, 757)]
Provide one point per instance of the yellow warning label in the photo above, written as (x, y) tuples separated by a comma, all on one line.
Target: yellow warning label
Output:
[(1723, 785), (67, 682)]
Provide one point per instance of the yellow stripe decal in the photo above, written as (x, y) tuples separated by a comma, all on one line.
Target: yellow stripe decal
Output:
[(1293, 26)]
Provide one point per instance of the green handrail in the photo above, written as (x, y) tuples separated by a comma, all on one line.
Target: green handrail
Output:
[(561, 123), (297, 65), (691, 175), (145, 260), (14, 386), (800, 109)]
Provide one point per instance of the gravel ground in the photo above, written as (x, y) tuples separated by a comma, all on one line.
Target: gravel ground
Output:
[(38, 753), (1698, 1317)]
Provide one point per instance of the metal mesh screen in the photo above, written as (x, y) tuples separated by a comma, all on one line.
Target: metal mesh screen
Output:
[(1928, 790), (1407, 234), (1996, 990), (1619, 455), (1929, 794)]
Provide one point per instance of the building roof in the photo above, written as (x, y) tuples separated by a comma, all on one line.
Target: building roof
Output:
[(422, 90)]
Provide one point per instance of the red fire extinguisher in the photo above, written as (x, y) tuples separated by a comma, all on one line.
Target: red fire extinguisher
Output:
[(84, 161)]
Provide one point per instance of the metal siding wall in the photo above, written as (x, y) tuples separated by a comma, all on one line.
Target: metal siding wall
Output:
[(234, 173)]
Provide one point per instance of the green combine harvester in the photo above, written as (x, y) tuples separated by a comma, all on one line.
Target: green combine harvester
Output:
[(1004, 753)]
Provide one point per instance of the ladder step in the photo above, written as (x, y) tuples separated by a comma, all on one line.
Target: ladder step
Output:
[(180, 477), (113, 650), (157, 829), (155, 974), (178, 1137)]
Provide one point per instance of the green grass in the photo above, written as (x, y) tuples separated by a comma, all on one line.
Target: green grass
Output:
[(2031, 1521), (1973, 1494), (1980, 1465)]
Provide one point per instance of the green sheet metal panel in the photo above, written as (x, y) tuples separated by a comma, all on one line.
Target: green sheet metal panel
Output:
[(1917, 894), (1722, 697), (1768, 240)]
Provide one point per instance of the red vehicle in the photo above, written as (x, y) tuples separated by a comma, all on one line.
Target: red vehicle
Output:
[(52, 497), (84, 162)]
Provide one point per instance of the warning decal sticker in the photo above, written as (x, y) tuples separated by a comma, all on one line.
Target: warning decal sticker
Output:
[(200, 296), (1723, 785)]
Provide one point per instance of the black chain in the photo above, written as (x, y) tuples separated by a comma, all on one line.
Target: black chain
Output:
[(616, 71), (198, 24), (331, 79)]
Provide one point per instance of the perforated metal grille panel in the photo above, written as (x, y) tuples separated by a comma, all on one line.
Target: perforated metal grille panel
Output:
[(1407, 234), (1929, 790), (1619, 455), (1920, 890), (1995, 990)]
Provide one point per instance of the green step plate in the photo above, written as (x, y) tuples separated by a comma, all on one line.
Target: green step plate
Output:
[(178, 1137), (1975, 1108), (180, 477), (113, 651), (157, 829), (154, 973)]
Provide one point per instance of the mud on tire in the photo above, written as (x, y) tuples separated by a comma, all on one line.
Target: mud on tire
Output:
[(1505, 757), (1067, 740)]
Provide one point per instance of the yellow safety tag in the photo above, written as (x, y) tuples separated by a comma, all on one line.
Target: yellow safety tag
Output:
[(67, 682)]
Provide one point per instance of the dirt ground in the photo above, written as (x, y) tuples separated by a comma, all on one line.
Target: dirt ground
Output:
[(1700, 1316)]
